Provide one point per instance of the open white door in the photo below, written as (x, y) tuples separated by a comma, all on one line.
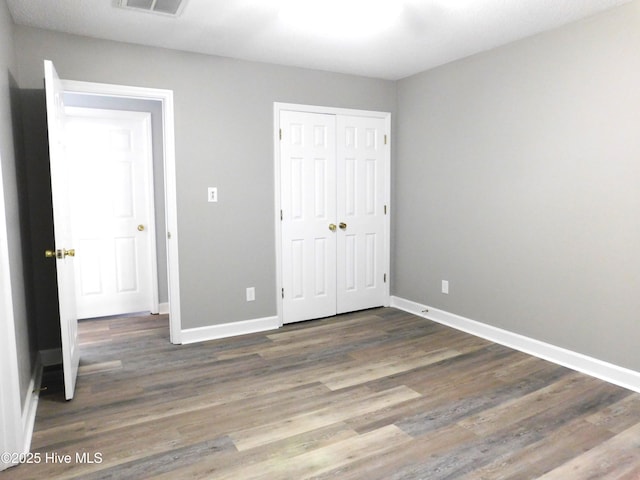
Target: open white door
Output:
[(63, 253)]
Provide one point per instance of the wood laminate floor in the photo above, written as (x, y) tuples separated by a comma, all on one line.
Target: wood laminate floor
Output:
[(379, 394)]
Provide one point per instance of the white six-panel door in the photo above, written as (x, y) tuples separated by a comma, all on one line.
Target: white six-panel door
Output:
[(112, 211), (361, 251), (333, 226), (308, 200)]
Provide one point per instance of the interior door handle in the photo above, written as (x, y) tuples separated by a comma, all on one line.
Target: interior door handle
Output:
[(60, 253), (343, 226), (332, 227)]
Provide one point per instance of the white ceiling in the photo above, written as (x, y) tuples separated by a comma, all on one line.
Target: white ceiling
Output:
[(426, 34)]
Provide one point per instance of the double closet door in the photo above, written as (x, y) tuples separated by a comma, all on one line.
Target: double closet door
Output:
[(334, 225)]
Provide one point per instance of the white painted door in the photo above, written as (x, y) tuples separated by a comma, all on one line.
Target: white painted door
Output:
[(361, 251), (334, 226), (62, 228), (308, 201), (112, 211)]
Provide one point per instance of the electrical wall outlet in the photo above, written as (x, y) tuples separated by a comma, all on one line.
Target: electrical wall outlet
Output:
[(251, 294), (212, 194), (445, 287)]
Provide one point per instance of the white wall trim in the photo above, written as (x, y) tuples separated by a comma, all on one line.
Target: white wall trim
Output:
[(11, 434), (608, 372), (330, 110), (171, 203), (213, 332), (163, 308)]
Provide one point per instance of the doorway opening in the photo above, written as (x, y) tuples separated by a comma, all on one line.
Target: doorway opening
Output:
[(159, 105), (116, 186)]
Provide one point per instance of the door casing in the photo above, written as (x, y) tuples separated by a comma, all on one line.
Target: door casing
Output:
[(277, 108), (12, 433)]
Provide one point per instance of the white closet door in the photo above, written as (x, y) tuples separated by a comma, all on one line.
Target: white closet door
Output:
[(308, 202), (361, 249)]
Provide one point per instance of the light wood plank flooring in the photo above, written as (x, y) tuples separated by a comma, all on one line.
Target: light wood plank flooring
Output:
[(379, 394)]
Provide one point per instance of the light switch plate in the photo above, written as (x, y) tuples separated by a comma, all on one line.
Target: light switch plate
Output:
[(212, 194), (251, 294)]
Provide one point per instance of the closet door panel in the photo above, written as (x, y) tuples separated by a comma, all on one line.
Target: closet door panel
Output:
[(308, 201), (360, 213)]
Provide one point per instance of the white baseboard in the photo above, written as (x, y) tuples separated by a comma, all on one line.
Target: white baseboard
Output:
[(224, 330), (52, 356), (163, 308), (608, 372), (31, 404)]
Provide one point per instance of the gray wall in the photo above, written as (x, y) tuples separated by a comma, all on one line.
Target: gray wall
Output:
[(155, 109), (14, 194), (518, 180), (224, 125)]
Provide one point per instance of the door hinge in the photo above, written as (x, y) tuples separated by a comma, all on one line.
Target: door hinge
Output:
[(283, 293), (169, 235), (281, 216), (385, 139), (385, 278), (385, 209), (280, 134)]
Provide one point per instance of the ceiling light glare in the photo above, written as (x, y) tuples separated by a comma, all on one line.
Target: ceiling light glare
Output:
[(341, 18)]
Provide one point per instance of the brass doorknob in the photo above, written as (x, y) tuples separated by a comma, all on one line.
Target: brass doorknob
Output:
[(140, 228), (343, 226), (332, 227), (60, 254)]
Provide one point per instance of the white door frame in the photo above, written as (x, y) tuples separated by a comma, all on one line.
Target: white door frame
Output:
[(12, 434), (169, 154), (277, 108), (100, 113)]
